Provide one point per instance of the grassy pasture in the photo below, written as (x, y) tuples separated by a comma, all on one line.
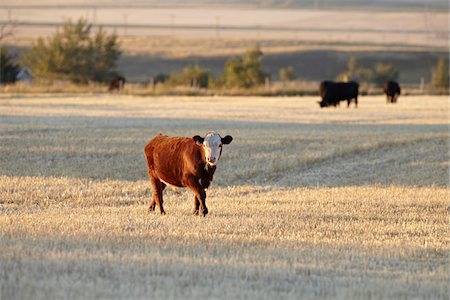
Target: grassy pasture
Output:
[(306, 203)]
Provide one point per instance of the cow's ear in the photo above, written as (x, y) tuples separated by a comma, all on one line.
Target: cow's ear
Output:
[(227, 139), (198, 139)]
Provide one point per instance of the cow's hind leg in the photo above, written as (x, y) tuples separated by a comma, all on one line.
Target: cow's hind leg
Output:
[(154, 193), (157, 198), (196, 205)]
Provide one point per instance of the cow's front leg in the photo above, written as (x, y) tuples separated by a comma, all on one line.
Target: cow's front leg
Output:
[(200, 194), (205, 181), (394, 98)]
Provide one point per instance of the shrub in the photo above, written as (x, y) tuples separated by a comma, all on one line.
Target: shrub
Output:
[(287, 74), (160, 78), (355, 72), (193, 76), (384, 72), (440, 77), (74, 54)]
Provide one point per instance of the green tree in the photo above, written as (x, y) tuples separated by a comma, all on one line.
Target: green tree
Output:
[(286, 74), (385, 72), (8, 68), (440, 77), (244, 72), (234, 73), (74, 54)]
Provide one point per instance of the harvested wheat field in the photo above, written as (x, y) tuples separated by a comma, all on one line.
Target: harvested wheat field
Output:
[(306, 203)]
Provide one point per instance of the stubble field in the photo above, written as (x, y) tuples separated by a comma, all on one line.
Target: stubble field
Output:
[(306, 203)]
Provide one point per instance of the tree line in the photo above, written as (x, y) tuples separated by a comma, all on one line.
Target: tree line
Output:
[(75, 53)]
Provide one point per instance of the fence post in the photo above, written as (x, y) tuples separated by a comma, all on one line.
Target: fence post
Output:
[(422, 84), (152, 84), (267, 83)]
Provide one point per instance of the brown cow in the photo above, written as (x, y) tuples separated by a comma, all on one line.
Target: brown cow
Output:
[(116, 83), (183, 162)]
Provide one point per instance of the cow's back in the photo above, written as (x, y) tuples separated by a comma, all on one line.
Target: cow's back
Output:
[(171, 158), (392, 88), (341, 91)]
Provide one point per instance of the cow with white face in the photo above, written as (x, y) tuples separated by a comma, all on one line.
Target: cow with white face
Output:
[(212, 146), (183, 162)]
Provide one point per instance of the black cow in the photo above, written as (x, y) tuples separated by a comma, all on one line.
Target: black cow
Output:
[(392, 91), (334, 92)]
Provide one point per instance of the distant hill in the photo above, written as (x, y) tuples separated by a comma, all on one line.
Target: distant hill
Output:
[(307, 4)]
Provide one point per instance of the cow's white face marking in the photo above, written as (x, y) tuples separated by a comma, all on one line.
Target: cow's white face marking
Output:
[(213, 148)]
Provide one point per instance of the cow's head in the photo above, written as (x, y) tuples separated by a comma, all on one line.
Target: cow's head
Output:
[(212, 145)]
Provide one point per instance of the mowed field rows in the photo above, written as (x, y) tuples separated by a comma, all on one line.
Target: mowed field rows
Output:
[(404, 29), (306, 202)]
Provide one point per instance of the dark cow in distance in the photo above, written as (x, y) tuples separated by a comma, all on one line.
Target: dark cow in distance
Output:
[(392, 91), (183, 162), (334, 92), (116, 83)]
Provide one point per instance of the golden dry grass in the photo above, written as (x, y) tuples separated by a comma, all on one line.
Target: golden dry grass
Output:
[(306, 203)]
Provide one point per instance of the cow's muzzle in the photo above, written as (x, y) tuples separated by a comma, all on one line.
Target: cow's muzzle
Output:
[(211, 162), (322, 103)]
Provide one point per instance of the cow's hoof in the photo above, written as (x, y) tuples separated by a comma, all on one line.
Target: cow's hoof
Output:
[(151, 209), (195, 211), (163, 212), (205, 212)]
